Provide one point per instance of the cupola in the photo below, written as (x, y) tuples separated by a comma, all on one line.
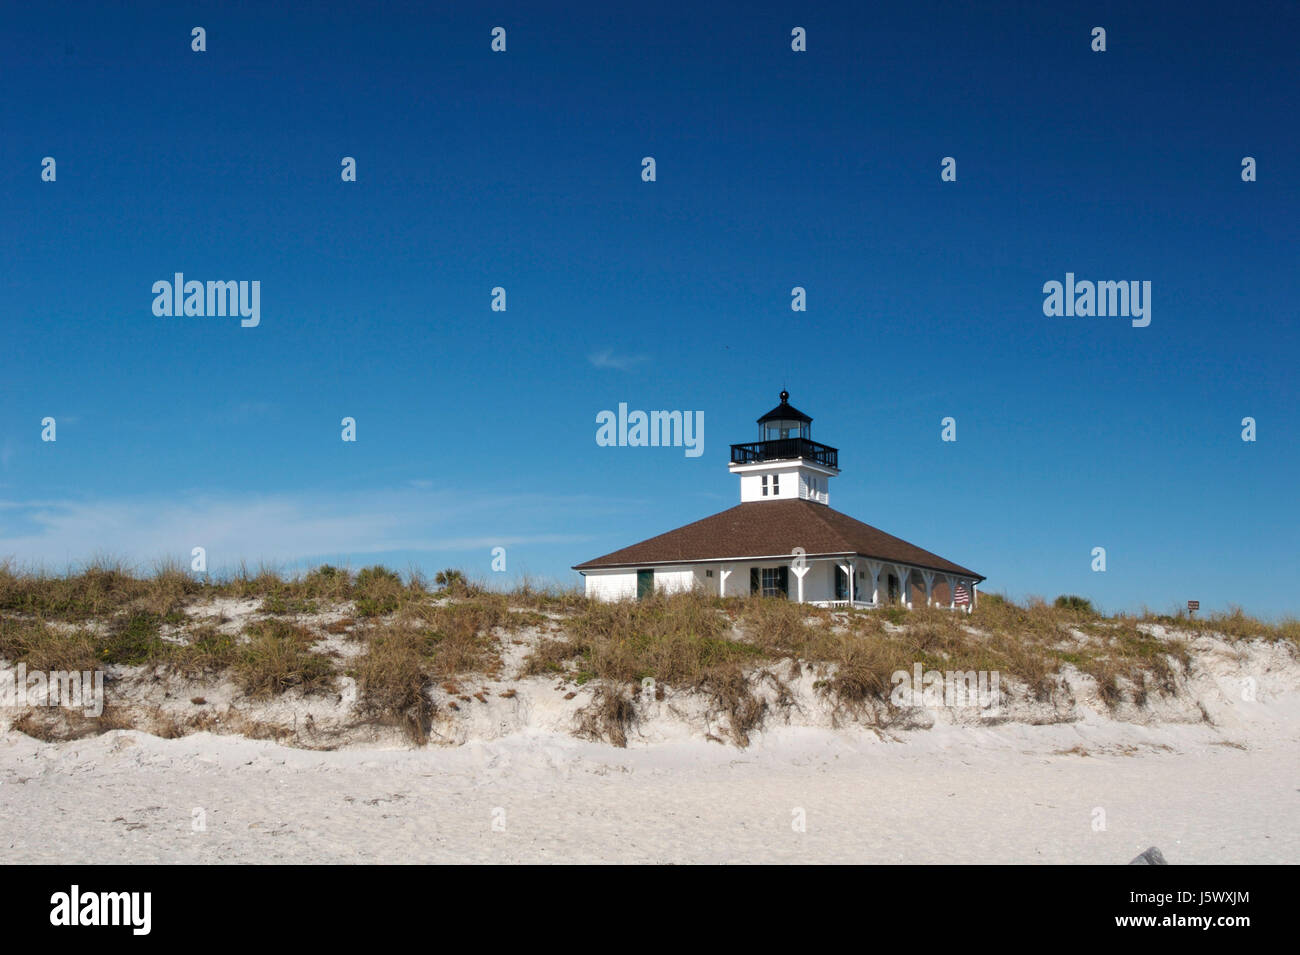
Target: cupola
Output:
[(784, 462)]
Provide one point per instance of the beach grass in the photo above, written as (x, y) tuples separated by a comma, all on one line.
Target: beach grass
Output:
[(409, 636)]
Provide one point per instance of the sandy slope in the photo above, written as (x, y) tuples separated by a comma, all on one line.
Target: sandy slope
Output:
[(1008, 793), (1210, 774)]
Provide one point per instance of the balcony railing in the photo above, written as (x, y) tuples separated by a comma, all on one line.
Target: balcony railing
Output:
[(785, 449)]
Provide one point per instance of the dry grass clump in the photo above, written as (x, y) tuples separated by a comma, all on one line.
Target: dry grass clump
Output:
[(1031, 643), (680, 640), (424, 644), (1039, 621), (609, 715), (133, 639), (780, 627), (246, 583), (729, 687), (464, 632), (674, 638), (1236, 624), (555, 599), (722, 648), (207, 653), (855, 654), (170, 588), (129, 639), (376, 590), (1075, 603), (102, 587), (326, 582), (281, 605), (1120, 648), (42, 647), (278, 656), (61, 724), (1035, 641), (394, 677), (857, 664)]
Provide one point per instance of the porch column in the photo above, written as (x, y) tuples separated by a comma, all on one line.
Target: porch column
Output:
[(723, 573), (874, 567), (905, 584), (799, 573), (974, 595), (952, 591), (927, 578)]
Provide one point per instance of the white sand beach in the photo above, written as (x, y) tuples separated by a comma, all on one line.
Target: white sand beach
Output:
[(1012, 793)]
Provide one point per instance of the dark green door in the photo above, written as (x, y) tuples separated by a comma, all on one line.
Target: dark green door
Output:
[(645, 584)]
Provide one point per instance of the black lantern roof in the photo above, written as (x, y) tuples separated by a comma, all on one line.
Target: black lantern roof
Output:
[(785, 412)]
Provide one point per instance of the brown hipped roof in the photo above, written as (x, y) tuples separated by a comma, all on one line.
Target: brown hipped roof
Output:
[(773, 529)]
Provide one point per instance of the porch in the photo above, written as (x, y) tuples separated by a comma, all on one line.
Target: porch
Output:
[(841, 582)]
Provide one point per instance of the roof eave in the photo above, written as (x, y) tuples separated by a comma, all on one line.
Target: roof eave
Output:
[(591, 565)]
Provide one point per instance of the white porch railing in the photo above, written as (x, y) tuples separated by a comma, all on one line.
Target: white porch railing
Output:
[(869, 605)]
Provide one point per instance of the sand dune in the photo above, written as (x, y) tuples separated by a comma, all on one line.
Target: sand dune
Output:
[(1225, 791)]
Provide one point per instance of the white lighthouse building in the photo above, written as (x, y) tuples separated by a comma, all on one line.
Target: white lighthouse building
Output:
[(784, 539)]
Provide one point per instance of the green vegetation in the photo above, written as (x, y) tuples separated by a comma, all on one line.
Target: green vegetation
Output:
[(133, 640), (1075, 603), (742, 655), (277, 656)]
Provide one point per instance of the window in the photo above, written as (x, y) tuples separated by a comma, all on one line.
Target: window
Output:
[(776, 582), (776, 485), (645, 584), (769, 581), (841, 584)]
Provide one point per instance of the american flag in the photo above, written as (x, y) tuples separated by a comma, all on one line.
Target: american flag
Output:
[(960, 595)]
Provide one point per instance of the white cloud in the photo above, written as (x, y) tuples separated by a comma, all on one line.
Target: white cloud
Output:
[(280, 529), (605, 358)]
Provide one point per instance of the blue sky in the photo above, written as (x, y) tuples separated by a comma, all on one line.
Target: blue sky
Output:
[(774, 169)]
